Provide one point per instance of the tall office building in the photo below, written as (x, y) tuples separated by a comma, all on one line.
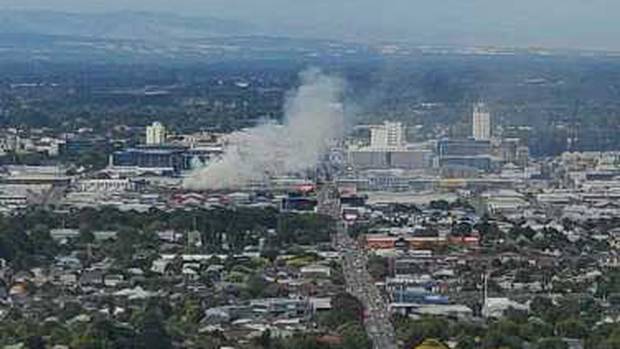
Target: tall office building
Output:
[(155, 134), (390, 135), (389, 149), (481, 123)]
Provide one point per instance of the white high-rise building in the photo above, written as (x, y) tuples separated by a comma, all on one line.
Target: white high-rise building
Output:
[(481, 122), (155, 134), (390, 135)]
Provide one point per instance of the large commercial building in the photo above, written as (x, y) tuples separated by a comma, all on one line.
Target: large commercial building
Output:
[(163, 159), (404, 159), (369, 159), (464, 153), (481, 122), (463, 147), (390, 135), (388, 149), (158, 160), (76, 146), (155, 134)]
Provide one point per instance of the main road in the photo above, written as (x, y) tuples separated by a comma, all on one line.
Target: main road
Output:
[(358, 280)]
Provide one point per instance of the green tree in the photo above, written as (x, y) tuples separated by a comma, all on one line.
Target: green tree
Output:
[(466, 342), (256, 285), (354, 336), (345, 308), (86, 237), (431, 344), (551, 343), (378, 267), (572, 328), (495, 339), (413, 332), (534, 329), (152, 333)]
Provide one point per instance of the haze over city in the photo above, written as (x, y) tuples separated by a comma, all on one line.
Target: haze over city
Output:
[(526, 23)]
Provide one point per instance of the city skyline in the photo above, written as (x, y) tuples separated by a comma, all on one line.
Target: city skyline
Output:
[(322, 175)]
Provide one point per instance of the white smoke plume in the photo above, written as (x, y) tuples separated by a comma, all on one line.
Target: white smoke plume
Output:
[(313, 118)]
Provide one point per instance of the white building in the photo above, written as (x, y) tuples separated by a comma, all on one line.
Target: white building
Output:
[(389, 149), (155, 134), (106, 185), (497, 307), (390, 135), (481, 122)]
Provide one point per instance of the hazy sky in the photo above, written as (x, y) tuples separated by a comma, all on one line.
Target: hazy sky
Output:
[(557, 23)]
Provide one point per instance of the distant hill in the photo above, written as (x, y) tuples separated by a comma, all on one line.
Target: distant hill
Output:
[(54, 48), (48, 36), (120, 25)]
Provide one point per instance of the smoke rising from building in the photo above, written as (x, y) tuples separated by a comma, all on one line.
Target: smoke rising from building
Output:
[(313, 118)]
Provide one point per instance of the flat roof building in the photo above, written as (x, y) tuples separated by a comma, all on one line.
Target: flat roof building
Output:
[(155, 134), (481, 122)]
